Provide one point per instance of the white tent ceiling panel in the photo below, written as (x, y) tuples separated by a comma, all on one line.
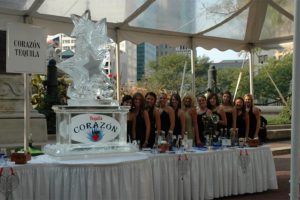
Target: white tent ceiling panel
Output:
[(115, 11), (237, 26), (152, 37), (191, 16), (276, 25), (16, 4), (222, 24)]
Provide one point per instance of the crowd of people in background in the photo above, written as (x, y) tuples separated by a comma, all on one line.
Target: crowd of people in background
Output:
[(176, 117)]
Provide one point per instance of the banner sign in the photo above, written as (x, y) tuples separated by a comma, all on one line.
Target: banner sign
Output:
[(25, 49), (94, 128)]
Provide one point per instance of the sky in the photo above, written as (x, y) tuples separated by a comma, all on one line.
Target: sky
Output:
[(217, 56)]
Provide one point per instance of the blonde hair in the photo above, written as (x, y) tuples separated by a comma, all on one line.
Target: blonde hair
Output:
[(250, 96), (188, 96)]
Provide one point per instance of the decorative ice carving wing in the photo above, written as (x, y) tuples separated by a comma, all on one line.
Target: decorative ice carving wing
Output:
[(90, 84)]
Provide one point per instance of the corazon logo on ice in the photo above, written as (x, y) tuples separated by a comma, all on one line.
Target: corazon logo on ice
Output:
[(92, 128)]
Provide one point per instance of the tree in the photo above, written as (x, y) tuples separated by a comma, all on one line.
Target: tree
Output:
[(281, 73), (264, 91), (168, 71)]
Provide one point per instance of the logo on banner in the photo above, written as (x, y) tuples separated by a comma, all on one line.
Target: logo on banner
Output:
[(93, 128)]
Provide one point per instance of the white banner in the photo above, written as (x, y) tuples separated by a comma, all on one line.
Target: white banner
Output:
[(94, 128), (26, 49)]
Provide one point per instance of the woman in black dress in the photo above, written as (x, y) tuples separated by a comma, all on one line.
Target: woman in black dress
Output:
[(214, 105), (202, 114), (141, 124), (154, 117), (167, 116), (229, 110), (175, 103), (254, 116), (242, 118)]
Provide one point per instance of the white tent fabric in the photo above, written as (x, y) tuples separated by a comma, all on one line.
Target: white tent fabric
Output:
[(223, 24)]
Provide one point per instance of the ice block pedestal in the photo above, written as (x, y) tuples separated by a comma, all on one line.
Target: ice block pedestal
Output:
[(89, 131)]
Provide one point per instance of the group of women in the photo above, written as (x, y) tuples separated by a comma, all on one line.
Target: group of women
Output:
[(150, 117)]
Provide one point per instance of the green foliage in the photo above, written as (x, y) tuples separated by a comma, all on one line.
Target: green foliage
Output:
[(281, 73), (38, 92), (43, 102), (279, 70), (284, 117), (286, 113), (168, 71)]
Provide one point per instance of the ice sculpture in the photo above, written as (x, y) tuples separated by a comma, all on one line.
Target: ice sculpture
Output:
[(90, 84)]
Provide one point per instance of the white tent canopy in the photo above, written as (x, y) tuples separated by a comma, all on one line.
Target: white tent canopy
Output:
[(223, 24)]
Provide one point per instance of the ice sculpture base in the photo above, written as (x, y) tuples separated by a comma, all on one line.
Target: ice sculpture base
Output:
[(89, 131), (87, 151)]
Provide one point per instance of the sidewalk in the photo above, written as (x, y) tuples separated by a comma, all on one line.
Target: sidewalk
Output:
[(280, 147)]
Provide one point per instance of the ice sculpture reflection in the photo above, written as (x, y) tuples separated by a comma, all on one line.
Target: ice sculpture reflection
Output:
[(90, 84)]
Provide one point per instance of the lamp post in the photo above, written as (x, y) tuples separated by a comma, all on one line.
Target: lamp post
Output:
[(212, 79)]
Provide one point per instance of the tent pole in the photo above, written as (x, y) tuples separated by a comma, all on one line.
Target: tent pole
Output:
[(26, 110), (193, 56), (251, 63), (294, 175), (118, 66)]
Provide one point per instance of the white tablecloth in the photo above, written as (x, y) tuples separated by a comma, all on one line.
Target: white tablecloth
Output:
[(197, 175), (213, 174)]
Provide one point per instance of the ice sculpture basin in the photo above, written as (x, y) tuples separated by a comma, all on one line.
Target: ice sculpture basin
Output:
[(90, 130)]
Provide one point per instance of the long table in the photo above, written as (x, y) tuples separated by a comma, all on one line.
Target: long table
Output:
[(142, 175)]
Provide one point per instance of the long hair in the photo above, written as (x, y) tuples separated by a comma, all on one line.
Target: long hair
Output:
[(152, 94), (230, 97), (211, 95), (203, 97), (178, 98), (250, 96), (244, 107), (142, 106), (188, 96), (162, 95)]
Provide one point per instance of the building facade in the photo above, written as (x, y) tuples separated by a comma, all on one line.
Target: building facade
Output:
[(145, 53)]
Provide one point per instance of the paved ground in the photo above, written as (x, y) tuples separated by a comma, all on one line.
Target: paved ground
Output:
[(282, 165)]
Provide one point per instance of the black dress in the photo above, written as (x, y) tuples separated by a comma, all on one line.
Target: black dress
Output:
[(252, 124), (229, 118), (178, 127), (152, 136), (201, 126), (241, 124), (140, 128), (129, 130), (165, 121)]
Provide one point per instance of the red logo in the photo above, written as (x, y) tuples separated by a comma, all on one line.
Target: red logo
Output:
[(95, 118)]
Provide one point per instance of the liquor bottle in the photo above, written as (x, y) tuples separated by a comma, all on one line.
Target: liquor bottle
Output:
[(174, 141), (161, 137), (222, 132), (178, 142)]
